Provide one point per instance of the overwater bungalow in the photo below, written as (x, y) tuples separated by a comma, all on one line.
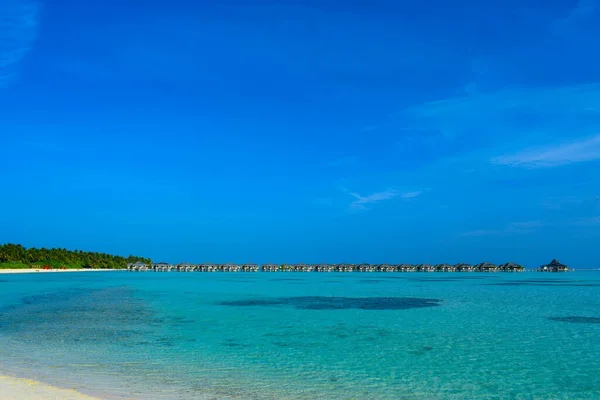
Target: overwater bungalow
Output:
[(425, 268), (325, 268), (207, 267), (138, 266), (511, 267), (344, 268), (554, 266), (229, 267), (386, 268), (303, 268), (407, 268), (161, 266), (463, 267), (270, 267), (250, 268), (485, 267), (444, 268), (364, 268), (185, 267)]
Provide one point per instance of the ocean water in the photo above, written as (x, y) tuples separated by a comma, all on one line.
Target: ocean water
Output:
[(306, 335)]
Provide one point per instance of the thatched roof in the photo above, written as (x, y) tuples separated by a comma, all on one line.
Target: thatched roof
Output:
[(485, 264), (555, 264), (462, 264), (511, 265)]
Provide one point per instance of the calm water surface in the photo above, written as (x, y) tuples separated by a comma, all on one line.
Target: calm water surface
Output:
[(306, 335)]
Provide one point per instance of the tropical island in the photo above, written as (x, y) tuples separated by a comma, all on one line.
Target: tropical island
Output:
[(15, 256)]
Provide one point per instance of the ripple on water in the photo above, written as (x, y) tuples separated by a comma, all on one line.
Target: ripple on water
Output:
[(574, 319), (338, 303), (285, 279)]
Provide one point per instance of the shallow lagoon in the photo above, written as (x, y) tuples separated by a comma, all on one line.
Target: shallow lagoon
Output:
[(306, 335)]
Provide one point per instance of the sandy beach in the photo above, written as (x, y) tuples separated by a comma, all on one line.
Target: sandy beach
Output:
[(36, 270), (27, 389)]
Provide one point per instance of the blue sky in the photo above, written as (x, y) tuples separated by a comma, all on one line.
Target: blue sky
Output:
[(382, 131)]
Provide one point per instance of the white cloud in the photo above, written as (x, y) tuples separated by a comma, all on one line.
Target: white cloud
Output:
[(361, 202), (461, 124), (373, 197), (481, 108), (587, 149), (19, 21), (411, 195)]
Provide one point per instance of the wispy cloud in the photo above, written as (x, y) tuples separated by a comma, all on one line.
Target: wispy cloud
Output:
[(486, 112), (362, 202), (411, 195), (512, 228), (587, 149), (19, 21), (487, 122)]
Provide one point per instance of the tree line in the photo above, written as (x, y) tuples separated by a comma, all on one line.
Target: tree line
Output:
[(17, 256)]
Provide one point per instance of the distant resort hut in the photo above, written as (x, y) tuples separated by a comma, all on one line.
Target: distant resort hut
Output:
[(344, 268), (161, 266), (185, 267), (364, 268), (463, 267), (303, 268), (554, 266), (385, 268), (444, 268), (407, 268), (511, 267), (485, 267), (425, 268), (229, 267), (250, 268), (138, 266), (270, 267), (325, 268)]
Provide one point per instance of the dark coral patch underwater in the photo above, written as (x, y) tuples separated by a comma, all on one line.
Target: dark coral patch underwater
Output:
[(338, 303), (576, 319)]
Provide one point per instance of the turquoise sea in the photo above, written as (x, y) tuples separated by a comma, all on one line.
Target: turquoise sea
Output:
[(306, 335)]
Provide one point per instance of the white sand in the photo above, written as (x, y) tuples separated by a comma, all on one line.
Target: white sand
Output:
[(34, 270), (27, 389)]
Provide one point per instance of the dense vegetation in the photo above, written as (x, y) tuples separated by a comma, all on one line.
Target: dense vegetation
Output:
[(17, 256)]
